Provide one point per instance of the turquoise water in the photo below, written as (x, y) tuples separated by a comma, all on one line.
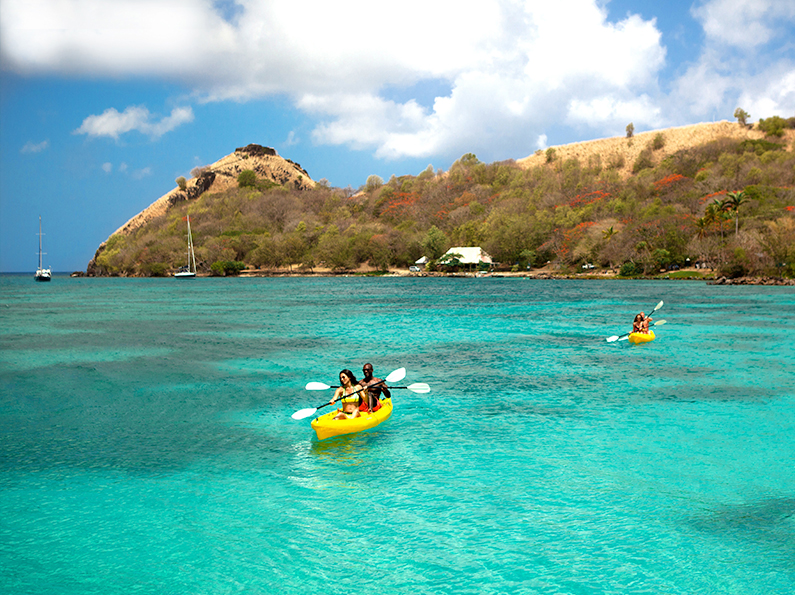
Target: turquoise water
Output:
[(146, 444)]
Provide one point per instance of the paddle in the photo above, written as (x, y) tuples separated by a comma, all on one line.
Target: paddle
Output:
[(417, 387), (617, 338), (394, 376), (625, 336)]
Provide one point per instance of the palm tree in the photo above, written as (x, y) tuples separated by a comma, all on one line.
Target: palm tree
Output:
[(734, 200), (701, 226), (609, 233)]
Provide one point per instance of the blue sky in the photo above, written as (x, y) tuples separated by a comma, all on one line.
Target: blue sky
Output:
[(104, 103)]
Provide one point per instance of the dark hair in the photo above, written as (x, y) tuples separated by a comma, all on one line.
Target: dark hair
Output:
[(638, 318), (350, 375)]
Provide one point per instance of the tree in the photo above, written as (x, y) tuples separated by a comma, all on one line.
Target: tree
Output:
[(247, 177), (374, 182), (182, 182), (630, 130), (742, 116), (434, 243), (734, 200), (773, 126)]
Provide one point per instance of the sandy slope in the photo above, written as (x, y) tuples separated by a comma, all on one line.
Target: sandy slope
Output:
[(675, 139)]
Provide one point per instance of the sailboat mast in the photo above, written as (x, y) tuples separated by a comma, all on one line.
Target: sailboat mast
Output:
[(191, 255), (40, 234)]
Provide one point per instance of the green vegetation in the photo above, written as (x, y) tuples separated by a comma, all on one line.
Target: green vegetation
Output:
[(247, 177), (226, 268), (569, 213)]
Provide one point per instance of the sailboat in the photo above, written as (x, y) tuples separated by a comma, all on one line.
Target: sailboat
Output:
[(42, 274), (189, 271)]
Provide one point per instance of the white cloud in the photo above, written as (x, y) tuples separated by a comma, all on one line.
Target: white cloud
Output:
[(736, 68), (745, 23), (107, 167), (141, 173), (515, 69), (112, 123), (31, 147)]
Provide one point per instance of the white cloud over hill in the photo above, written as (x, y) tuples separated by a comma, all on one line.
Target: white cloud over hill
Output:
[(512, 69)]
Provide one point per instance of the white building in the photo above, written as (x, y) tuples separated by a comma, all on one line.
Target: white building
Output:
[(473, 255)]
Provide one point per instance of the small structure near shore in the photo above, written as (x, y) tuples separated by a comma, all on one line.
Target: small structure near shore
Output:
[(466, 255)]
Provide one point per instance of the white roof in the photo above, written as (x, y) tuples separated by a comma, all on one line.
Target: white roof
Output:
[(470, 255), (422, 260)]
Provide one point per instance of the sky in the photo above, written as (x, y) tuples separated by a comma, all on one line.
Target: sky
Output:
[(104, 103)]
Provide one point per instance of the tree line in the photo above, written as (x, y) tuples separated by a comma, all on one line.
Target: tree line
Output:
[(726, 203)]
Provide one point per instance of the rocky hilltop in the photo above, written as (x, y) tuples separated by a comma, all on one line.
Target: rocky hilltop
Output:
[(218, 177)]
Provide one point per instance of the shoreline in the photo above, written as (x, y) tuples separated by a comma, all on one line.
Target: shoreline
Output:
[(710, 278)]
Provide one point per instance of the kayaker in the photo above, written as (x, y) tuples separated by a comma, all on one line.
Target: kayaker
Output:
[(350, 392), (374, 387), (641, 323), (637, 323), (644, 326)]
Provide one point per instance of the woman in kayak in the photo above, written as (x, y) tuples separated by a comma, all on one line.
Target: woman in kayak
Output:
[(349, 392), (641, 324)]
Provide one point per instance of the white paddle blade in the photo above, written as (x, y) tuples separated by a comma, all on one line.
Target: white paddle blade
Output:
[(397, 375), (316, 386), (419, 387), (303, 413), (657, 307), (611, 339), (659, 322)]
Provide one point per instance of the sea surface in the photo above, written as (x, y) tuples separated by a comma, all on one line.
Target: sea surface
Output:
[(146, 443)]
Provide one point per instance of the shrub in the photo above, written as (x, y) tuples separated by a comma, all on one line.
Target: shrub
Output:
[(550, 155), (182, 182), (773, 126), (247, 177), (658, 142), (742, 116), (616, 161), (630, 269), (643, 161), (630, 130), (225, 268), (155, 269)]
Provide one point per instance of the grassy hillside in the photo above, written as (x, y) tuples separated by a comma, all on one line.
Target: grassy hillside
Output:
[(637, 204)]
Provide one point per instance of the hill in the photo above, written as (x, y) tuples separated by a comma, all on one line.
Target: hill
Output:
[(719, 194), (625, 151), (216, 178)]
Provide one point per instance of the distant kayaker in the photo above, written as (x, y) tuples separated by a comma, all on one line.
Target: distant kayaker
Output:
[(374, 387), (350, 392)]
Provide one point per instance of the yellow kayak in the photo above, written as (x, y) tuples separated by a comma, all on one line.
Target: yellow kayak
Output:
[(641, 337), (326, 426)]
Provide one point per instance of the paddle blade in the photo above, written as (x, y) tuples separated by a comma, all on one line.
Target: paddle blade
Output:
[(397, 375), (611, 339), (303, 413), (657, 307), (316, 386), (419, 387), (659, 322)]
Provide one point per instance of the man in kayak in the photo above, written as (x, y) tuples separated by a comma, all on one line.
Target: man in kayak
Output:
[(374, 387)]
